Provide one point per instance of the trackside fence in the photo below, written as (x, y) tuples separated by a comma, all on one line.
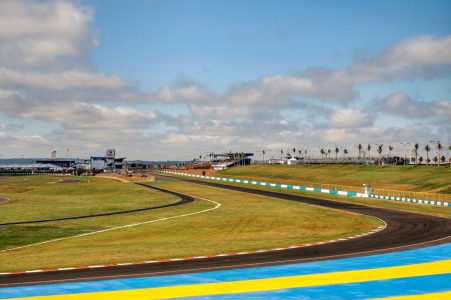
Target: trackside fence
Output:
[(412, 197)]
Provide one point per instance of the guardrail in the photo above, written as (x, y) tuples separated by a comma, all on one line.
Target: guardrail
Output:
[(30, 174), (336, 191)]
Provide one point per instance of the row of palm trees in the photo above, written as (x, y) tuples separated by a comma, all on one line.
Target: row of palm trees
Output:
[(326, 153)]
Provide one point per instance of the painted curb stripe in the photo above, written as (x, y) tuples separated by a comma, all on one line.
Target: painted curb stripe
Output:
[(380, 228), (431, 284), (436, 296), (271, 284), (393, 259)]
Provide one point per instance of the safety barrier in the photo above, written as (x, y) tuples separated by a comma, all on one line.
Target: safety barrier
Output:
[(30, 174), (315, 189)]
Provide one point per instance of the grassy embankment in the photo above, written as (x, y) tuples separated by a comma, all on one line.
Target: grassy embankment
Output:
[(243, 222), (406, 178), (394, 177)]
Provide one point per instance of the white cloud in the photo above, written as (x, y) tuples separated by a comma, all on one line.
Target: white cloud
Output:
[(59, 80), (401, 104), (420, 50), (185, 94), (416, 58), (349, 118), (44, 75), (39, 33)]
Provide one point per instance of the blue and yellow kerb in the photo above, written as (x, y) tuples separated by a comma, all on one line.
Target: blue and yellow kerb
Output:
[(413, 274)]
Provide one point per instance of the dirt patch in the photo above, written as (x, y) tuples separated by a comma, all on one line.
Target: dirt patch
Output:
[(69, 180), (3, 200), (3, 178)]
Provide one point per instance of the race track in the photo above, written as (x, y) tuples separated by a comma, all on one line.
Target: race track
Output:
[(404, 230)]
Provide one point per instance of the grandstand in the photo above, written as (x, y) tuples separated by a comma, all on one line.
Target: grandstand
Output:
[(227, 160)]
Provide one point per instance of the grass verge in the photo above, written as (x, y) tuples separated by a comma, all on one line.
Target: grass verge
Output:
[(432, 210), (42, 197), (243, 222), (407, 178)]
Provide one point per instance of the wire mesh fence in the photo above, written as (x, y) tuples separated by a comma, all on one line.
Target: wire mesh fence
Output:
[(413, 195)]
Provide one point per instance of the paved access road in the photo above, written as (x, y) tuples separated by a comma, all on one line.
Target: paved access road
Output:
[(404, 230)]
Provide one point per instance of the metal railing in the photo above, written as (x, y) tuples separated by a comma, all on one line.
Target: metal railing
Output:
[(413, 195)]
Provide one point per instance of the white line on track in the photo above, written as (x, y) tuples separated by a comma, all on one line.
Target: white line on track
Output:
[(122, 227)]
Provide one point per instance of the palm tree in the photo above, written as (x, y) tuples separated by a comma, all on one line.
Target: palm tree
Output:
[(369, 151), (360, 147), (379, 150), (322, 153), (421, 159), (427, 148), (390, 149), (294, 151), (435, 159), (415, 149), (443, 158), (300, 153), (345, 152), (336, 152), (328, 151), (264, 152), (281, 154), (439, 147)]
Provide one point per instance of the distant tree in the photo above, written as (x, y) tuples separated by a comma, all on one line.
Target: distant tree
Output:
[(360, 147), (390, 149), (300, 153), (345, 152), (415, 149), (369, 151), (322, 153), (421, 159), (336, 152), (443, 158), (328, 152), (294, 151), (379, 150), (439, 148), (428, 149), (435, 159), (281, 154)]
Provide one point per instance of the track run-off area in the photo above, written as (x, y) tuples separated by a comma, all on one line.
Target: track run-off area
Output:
[(409, 257)]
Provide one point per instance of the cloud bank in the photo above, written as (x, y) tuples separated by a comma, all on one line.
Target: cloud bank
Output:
[(46, 79)]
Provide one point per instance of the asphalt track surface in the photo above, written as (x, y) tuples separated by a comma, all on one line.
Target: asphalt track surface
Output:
[(183, 200), (404, 230)]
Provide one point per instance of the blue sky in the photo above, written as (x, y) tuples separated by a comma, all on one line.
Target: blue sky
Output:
[(170, 79)]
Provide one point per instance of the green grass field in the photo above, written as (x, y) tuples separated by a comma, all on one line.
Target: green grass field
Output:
[(407, 178), (43, 197), (242, 222), (432, 210)]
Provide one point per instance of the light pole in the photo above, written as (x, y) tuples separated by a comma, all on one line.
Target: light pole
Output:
[(404, 146), (355, 150), (437, 151)]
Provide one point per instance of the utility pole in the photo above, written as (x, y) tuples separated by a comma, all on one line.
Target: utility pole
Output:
[(405, 156)]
